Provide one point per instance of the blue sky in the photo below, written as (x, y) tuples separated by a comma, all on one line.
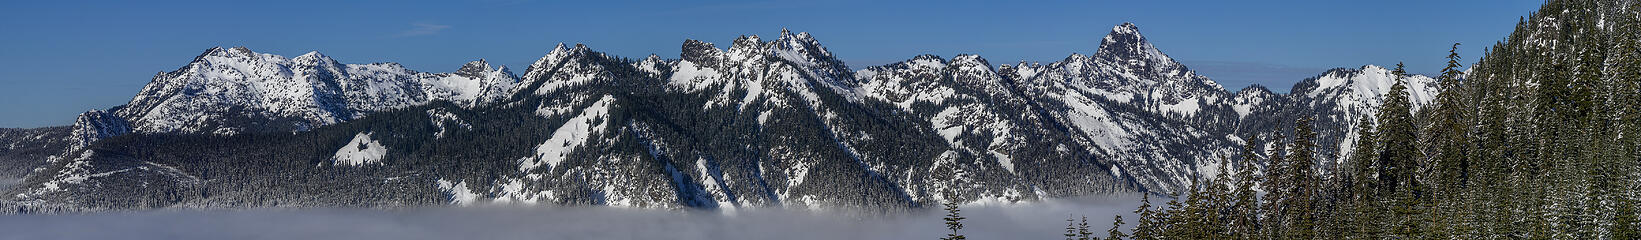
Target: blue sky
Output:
[(63, 57)]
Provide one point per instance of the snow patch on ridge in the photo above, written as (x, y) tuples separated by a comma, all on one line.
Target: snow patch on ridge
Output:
[(570, 136), (459, 194), (362, 150)]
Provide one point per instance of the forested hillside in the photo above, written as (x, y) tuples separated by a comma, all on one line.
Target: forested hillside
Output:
[(1540, 139)]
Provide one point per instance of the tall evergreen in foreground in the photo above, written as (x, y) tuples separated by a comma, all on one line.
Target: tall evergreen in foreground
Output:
[(1115, 233), (1244, 210), (1071, 228), (1147, 227), (954, 221), (1083, 232), (1303, 184)]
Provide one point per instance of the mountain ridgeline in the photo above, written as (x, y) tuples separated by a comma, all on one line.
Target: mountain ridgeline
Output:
[(758, 124)]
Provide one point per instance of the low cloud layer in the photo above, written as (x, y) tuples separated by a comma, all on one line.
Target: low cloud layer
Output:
[(1031, 221)]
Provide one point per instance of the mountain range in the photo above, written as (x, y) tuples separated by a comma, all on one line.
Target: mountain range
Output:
[(761, 123)]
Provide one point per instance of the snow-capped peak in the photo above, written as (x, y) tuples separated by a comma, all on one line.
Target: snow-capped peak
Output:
[(230, 52), (1125, 45), (313, 56), (927, 61), (805, 52), (546, 62), (971, 59), (802, 48), (476, 67), (1369, 83)]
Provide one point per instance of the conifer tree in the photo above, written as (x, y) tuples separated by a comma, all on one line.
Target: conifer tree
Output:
[(1219, 203), (954, 221), (1071, 227), (1083, 232), (1362, 181), (1172, 218), (1400, 159), (1115, 233), (1187, 220), (1275, 182), (1448, 142), (1245, 204), (1299, 204), (1399, 156), (1147, 227), (1448, 133)]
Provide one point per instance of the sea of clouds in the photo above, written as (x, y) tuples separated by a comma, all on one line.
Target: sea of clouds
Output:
[(1040, 220)]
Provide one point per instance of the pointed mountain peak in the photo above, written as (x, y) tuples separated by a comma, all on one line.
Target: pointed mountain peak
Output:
[(215, 50), (1126, 28), (504, 70), (314, 58), (1076, 57), (312, 54), (802, 48), (1125, 44), (476, 66), (547, 61), (552, 56), (559, 48), (801, 37), (746, 42)]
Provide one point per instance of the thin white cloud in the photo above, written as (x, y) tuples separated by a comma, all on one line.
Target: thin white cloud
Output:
[(423, 29)]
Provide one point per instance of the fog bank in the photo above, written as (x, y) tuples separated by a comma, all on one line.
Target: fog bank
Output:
[(1044, 220)]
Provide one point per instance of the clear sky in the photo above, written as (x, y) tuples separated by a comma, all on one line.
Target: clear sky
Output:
[(63, 57)]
